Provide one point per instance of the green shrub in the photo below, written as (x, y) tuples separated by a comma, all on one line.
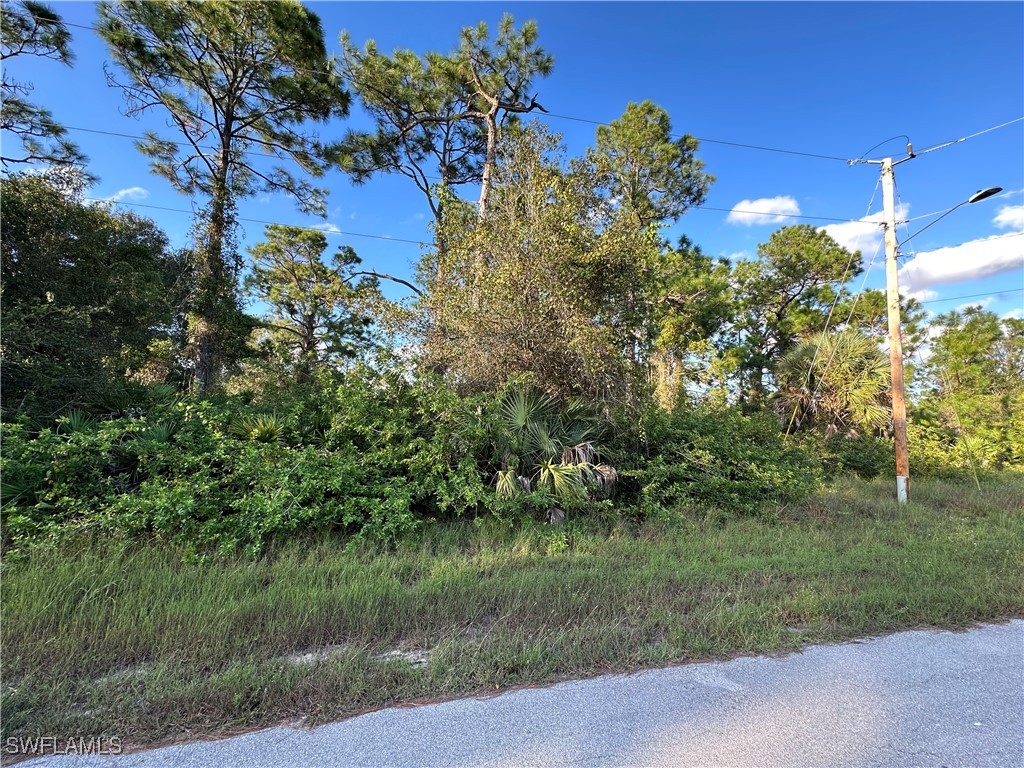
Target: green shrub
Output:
[(385, 456), (865, 456), (721, 459), (379, 455)]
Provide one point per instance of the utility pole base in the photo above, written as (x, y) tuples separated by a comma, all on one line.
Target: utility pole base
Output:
[(902, 489)]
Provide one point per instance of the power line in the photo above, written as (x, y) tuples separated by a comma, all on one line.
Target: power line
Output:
[(944, 144), (178, 143), (983, 240), (266, 154), (974, 296), (893, 138), (704, 140), (965, 138), (717, 141), (261, 221), (598, 122), (771, 213), (576, 119)]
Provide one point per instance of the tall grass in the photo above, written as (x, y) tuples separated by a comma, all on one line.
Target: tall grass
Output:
[(106, 638)]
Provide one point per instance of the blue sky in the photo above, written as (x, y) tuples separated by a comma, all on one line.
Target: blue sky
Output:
[(832, 79)]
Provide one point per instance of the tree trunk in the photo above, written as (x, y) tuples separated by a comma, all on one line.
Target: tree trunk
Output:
[(487, 180), (211, 279)]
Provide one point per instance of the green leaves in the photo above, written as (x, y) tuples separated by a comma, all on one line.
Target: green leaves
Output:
[(838, 381), (30, 28), (549, 283), (238, 81), (241, 76), (86, 290), (545, 445), (440, 115), (258, 428), (566, 482), (653, 176), (318, 316)]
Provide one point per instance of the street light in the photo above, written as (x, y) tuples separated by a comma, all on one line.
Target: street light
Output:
[(899, 404), (981, 194)]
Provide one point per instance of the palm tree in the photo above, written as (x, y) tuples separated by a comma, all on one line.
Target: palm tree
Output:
[(838, 382), (543, 444)]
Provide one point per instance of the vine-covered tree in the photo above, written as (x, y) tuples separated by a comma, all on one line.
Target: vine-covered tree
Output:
[(650, 179), (317, 315), (550, 283), (237, 80), (30, 28), (695, 302)]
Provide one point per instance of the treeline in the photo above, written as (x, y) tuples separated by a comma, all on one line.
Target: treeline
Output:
[(556, 355)]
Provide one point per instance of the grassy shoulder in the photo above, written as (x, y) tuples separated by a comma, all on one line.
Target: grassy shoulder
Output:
[(129, 640)]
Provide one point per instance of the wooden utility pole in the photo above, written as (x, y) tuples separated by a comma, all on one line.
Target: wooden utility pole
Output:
[(899, 403)]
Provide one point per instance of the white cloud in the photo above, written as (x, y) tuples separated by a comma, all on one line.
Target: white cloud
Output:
[(737, 256), (764, 210), (979, 258), (131, 193), (925, 294), (982, 303), (1014, 314), (1010, 217), (330, 229), (865, 234)]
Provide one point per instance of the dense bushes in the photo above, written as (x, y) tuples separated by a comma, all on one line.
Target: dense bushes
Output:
[(372, 453), (375, 455), (380, 454), (714, 458), (87, 291)]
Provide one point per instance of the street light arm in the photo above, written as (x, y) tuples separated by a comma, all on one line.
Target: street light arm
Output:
[(922, 229), (981, 194)]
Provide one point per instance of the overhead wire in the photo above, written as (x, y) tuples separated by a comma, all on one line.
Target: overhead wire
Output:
[(942, 145), (892, 138), (973, 295), (715, 141), (723, 142), (696, 207), (828, 319), (971, 136), (586, 120), (936, 147), (326, 231)]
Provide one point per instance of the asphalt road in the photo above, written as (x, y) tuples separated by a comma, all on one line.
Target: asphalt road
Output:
[(919, 698)]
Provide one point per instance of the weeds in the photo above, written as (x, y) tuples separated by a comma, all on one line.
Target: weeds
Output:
[(128, 639)]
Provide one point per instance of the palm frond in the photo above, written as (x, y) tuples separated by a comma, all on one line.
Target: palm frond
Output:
[(259, 428), (77, 421), (564, 481), (507, 483)]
